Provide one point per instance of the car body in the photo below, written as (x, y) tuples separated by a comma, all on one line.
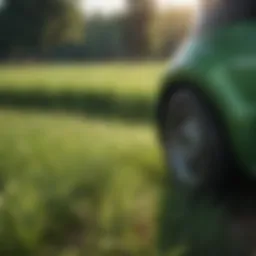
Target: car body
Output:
[(219, 60)]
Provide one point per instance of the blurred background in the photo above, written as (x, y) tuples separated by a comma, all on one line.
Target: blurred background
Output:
[(92, 30), (81, 171)]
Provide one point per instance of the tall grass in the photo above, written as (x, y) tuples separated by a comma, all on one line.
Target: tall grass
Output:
[(76, 187)]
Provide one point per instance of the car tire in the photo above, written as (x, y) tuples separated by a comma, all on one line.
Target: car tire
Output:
[(195, 149)]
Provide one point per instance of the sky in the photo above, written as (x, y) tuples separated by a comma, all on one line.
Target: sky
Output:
[(110, 6)]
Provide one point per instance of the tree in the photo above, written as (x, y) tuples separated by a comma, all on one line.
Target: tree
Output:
[(170, 27), (35, 25), (137, 27), (108, 30)]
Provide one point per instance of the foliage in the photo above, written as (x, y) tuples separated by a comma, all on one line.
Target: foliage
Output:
[(29, 26), (137, 26), (169, 29), (142, 32), (58, 30), (108, 30)]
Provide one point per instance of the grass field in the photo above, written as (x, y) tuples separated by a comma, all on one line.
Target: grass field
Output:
[(90, 183), (120, 78), (73, 185), (123, 91)]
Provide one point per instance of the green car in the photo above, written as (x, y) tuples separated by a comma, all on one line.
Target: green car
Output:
[(207, 105)]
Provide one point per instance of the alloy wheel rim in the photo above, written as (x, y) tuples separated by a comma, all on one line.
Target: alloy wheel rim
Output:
[(187, 147)]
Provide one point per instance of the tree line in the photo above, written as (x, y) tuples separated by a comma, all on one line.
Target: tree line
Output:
[(57, 29)]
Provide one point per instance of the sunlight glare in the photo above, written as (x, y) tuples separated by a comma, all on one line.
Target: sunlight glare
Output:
[(163, 4), (110, 6), (177, 2)]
